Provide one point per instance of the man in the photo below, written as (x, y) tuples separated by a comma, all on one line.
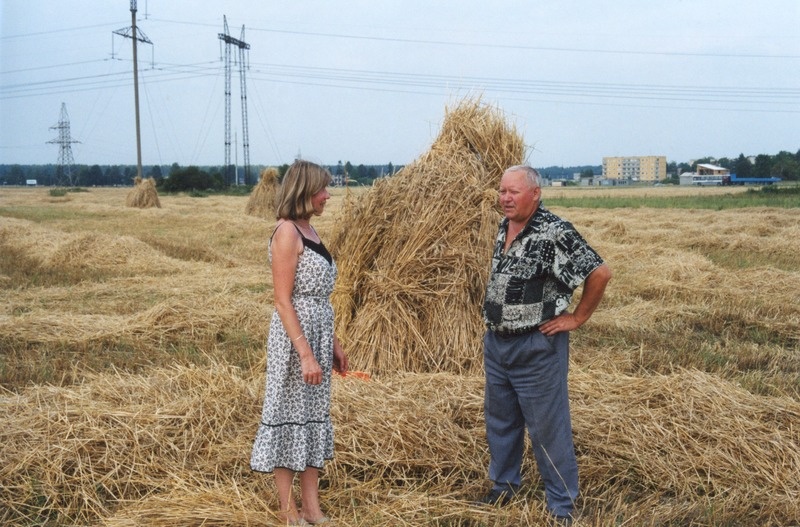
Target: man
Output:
[(538, 261)]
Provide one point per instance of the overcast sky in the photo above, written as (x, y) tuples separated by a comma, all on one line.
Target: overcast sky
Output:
[(368, 81)]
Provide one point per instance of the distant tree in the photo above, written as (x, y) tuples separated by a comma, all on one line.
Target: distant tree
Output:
[(16, 176), (587, 173), (763, 166), (93, 176), (114, 176), (362, 174), (785, 166), (130, 174), (155, 173), (191, 178), (339, 168), (390, 169), (742, 167)]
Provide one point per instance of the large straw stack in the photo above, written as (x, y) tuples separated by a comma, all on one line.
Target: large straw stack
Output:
[(262, 200), (414, 252), (143, 195)]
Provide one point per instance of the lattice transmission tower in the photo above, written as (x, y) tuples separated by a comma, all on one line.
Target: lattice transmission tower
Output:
[(230, 171), (64, 175)]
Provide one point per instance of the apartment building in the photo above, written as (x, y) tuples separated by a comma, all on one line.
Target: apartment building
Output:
[(638, 168)]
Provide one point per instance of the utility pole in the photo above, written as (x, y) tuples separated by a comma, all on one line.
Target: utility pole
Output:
[(243, 46), (65, 161), (134, 38)]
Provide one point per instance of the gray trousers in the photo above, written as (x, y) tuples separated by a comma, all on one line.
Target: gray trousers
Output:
[(526, 386)]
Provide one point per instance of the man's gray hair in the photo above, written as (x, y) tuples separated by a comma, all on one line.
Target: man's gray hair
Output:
[(531, 174)]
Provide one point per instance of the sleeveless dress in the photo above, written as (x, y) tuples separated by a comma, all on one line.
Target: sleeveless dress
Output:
[(296, 430)]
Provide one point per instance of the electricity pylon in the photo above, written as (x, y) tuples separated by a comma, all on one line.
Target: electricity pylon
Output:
[(65, 161), (132, 34), (230, 174)]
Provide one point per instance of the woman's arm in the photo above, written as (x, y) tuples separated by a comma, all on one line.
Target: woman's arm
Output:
[(286, 249)]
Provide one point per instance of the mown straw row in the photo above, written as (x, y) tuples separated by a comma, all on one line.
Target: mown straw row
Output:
[(414, 250), (171, 447)]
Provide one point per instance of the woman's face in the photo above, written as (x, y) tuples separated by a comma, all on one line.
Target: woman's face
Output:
[(318, 200)]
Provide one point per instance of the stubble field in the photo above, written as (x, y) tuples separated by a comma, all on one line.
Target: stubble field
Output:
[(132, 358)]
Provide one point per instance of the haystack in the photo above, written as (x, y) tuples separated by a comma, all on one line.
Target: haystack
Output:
[(414, 252), (262, 200), (143, 195)]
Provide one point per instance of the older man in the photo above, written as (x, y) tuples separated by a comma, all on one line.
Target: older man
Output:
[(538, 261)]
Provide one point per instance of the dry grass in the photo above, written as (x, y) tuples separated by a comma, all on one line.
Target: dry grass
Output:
[(416, 245), (143, 195), (131, 356), (262, 200), (171, 447)]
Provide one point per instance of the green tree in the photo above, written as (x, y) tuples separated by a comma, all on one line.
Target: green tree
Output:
[(16, 176), (114, 176), (191, 178), (93, 176), (763, 166), (785, 166), (155, 173), (742, 167)]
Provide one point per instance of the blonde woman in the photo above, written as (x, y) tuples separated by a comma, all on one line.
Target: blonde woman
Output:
[(296, 434)]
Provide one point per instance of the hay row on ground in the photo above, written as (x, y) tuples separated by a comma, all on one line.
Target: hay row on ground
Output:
[(172, 448), (204, 321), (413, 252)]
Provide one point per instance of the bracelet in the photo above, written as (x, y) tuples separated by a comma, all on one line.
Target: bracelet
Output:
[(298, 338)]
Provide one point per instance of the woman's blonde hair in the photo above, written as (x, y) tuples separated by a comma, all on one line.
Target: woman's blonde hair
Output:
[(300, 183)]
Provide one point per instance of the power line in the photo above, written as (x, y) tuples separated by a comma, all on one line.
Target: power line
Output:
[(510, 46), (419, 82)]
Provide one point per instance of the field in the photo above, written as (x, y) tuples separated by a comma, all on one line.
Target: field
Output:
[(132, 358)]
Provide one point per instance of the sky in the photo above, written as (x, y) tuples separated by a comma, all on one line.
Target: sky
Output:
[(369, 81)]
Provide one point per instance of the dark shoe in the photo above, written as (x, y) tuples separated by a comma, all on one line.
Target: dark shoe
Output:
[(496, 497), (563, 520)]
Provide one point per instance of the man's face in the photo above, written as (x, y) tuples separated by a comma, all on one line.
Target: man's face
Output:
[(518, 198)]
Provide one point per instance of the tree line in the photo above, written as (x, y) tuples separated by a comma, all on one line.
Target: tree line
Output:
[(174, 178)]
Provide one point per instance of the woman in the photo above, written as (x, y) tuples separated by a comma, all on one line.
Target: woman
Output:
[(296, 434)]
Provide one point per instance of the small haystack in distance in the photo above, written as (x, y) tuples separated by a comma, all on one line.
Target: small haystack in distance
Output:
[(143, 195), (262, 200), (414, 252)]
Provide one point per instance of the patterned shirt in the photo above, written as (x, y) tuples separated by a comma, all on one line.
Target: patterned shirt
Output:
[(534, 280)]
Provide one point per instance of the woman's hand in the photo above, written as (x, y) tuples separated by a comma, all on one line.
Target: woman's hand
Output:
[(340, 362), (312, 372)]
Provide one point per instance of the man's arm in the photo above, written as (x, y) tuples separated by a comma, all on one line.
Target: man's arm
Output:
[(593, 288)]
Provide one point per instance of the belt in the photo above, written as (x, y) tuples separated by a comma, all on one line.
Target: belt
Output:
[(507, 333)]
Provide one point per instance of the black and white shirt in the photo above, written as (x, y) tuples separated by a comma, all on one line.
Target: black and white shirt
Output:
[(534, 280)]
